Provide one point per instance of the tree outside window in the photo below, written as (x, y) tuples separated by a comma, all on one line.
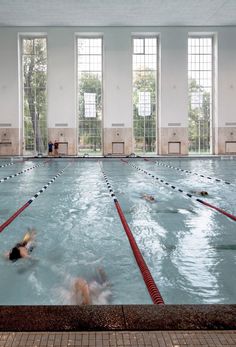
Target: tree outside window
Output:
[(34, 65)]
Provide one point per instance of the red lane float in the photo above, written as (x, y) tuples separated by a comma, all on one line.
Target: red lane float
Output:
[(148, 279), (225, 213), (11, 219)]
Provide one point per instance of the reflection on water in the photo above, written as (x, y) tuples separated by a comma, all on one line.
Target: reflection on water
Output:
[(189, 248)]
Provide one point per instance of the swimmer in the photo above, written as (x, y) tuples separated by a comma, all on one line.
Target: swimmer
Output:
[(23, 248), (149, 198), (202, 192), (81, 292), (96, 292)]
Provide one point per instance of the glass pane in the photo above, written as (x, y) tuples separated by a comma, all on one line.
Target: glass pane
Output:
[(34, 64), (144, 94), (138, 46), (200, 94), (90, 95), (27, 46)]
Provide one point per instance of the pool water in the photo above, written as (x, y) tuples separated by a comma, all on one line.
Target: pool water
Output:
[(189, 248)]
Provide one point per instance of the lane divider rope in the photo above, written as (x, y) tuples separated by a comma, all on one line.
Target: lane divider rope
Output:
[(227, 214), (21, 172), (11, 219), (189, 172), (148, 279), (7, 164)]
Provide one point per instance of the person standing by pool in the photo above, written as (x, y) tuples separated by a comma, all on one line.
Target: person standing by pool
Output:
[(50, 148), (56, 144)]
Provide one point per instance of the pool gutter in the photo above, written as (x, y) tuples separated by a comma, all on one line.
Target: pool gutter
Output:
[(117, 317)]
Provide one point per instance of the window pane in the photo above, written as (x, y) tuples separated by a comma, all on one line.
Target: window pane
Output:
[(144, 94), (138, 46), (34, 67), (89, 95), (200, 94)]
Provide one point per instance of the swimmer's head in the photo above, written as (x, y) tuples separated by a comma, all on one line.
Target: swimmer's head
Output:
[(203, 193), (14, 254), (148, 197)]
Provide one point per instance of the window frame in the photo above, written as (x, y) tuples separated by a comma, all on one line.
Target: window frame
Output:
[(144, 36), (89, 36), (21, 37), (212, 36)]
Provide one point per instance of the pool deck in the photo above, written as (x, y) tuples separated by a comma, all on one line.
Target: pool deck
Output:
[(120, 339), (118, 325)]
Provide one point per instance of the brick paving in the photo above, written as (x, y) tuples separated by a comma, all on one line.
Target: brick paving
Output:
[(206, 338)]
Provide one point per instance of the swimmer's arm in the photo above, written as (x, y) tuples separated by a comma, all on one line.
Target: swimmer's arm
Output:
[(86, 299), (32, 235), (86, 294), (81, 287)]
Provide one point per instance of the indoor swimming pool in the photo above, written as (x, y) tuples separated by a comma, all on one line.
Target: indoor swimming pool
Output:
[(189, 248)]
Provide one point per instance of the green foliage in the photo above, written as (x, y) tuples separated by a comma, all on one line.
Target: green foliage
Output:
[(90, 129), (199, 119), (144, 127), (35, 98)]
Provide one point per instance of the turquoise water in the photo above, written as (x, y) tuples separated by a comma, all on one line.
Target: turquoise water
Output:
[(190, 249)]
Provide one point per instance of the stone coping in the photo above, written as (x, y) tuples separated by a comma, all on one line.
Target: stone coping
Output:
[(164, 156), (172, 156), (117, 317)]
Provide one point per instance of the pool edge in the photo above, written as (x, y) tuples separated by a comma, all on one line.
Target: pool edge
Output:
[(117, 317)]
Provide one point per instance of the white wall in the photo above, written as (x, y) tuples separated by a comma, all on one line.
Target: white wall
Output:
[(117, 74), (61, 78), (117, 77), (226, 76), (9, 107), (174, 77)]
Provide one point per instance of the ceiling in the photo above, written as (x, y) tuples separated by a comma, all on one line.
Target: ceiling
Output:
[(117, 12)]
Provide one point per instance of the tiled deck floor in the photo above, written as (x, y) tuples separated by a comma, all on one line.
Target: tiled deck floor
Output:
[(119, 339)]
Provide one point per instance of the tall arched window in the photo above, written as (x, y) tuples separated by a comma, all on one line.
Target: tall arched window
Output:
[(89, 95), (145, 94), (34, 76), (200, 84)]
